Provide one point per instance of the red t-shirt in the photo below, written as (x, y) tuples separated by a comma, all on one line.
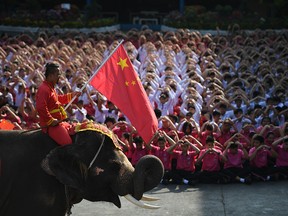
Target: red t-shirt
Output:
[(137, 154), (261, 158), (211, 161), (223, 137), (29, 120), (119, 131), (204, 135), (234, 160), (163, 155), (185, 161), (282, 158)]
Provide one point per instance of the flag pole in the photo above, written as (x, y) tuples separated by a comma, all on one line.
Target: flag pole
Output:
[(94, 73)]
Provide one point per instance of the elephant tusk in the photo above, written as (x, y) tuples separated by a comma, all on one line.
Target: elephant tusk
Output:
[(148, 198), (139, 203)]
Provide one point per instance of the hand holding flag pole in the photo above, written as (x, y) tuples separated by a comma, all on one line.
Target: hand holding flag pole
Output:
[(96, 71)]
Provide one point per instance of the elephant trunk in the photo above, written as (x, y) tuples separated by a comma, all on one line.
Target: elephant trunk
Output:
[(147, 175)]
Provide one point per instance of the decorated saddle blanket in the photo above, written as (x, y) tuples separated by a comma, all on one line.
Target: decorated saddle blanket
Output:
[(90, 125)]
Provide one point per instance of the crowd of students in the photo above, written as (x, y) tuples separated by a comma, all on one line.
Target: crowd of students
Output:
[(220, 100)]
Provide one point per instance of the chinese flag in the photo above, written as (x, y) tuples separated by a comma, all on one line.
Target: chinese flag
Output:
[(119, 82)]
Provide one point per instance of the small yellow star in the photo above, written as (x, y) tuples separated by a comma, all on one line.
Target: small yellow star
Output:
[(133, 82), (123, 63), (127, 83)]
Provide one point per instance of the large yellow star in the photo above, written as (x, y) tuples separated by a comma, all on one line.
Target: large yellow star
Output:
[(123, 63)]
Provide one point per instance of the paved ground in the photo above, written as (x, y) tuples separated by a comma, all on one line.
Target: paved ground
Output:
[(258, 199)]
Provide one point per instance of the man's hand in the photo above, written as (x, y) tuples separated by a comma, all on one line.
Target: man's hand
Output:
[(54, 122), (77, 94)]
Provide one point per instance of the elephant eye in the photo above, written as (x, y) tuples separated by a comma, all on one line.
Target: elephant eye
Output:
[(115, 166)]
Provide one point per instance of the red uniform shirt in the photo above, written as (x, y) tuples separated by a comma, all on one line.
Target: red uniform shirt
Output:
[(261, 158), (223, 137), (185, 161), (282, 158), (163, 155), (211, 161), (49, 104), (137, 154), (234, 160), (120, 131)]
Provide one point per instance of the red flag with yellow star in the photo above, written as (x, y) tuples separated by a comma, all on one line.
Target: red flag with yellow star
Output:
[(118, 81)]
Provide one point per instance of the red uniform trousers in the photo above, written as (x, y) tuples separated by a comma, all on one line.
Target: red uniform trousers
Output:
[(60, 133)]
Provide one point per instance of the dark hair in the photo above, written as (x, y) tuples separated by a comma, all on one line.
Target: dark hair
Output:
[(239, 110), (138, 139), (164, 95), (122, 118), (255, 93), (259, 138), (210, 139), (157, 112), (174, 117), (50, 68), (110, 119), (222, 105), (233, 145), (216, 113), (269, 133), (126, 135), (161, 138), (90, 117), (257, 106), (251, 134), (266, 118), (189, 114), (80, 102), (187, 125), (209, 127)]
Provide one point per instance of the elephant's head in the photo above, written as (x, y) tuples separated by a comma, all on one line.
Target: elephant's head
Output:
[(97, 168)]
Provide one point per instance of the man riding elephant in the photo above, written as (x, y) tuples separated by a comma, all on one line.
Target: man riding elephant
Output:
[(39, 177), (49, 106)]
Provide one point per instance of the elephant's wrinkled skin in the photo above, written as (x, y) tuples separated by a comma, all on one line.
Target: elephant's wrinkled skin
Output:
[(26, 189)]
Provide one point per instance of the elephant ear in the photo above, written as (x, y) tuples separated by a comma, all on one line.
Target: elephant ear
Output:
[(64, 163)]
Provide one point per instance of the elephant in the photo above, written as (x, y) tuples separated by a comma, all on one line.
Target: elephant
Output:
[(39, 177)]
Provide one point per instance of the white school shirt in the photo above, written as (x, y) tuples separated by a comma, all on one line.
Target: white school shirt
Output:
[(80, 115)]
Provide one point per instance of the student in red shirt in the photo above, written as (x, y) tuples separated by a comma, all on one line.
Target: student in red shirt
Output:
[(185, 168), (207, 129), (210, 159), (121, 127), (259, 157), (238, 137), (138, 148), (226, 131), (235, 156), (159, 146), (28, 112), (188, 129), (127, 150), (245, 138), (281, 167)]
